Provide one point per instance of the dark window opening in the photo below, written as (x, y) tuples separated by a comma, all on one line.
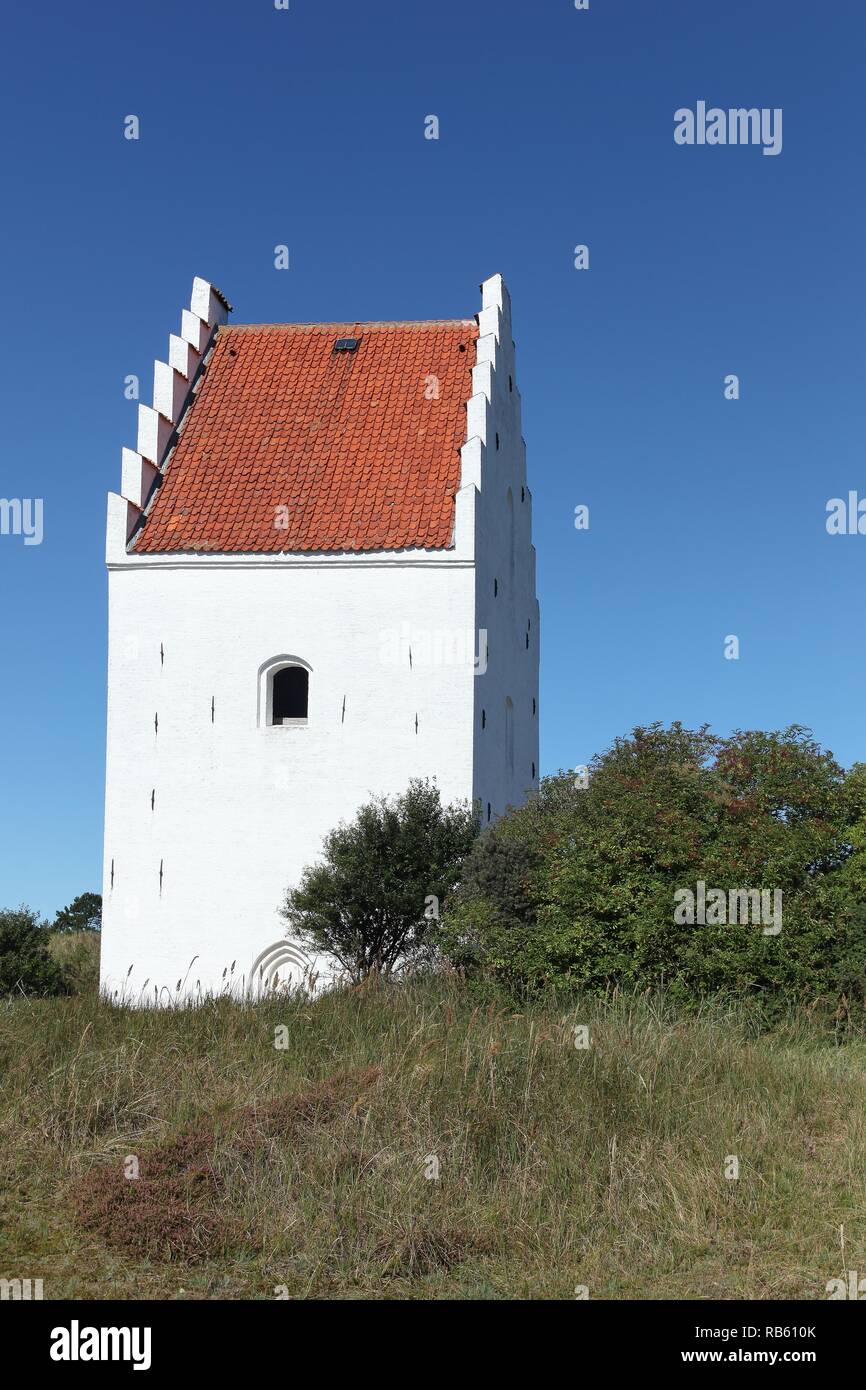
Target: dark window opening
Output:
[(346, 344), (483, 718), (290, 693), (495, 587)]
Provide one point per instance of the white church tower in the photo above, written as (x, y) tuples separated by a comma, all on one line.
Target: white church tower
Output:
[(321, 584)]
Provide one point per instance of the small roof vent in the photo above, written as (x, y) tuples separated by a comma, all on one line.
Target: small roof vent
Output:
[(346, 344)]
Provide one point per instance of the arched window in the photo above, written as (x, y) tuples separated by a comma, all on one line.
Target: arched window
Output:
[(284, 692), (290, 694)]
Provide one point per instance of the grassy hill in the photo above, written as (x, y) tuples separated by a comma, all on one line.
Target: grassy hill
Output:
[(305, 1168)]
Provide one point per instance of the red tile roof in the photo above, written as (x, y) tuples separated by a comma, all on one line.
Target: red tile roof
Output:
[(347, 443)]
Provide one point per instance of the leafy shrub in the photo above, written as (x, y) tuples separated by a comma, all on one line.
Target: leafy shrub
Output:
[(368, 904), (26, 966), (577, 889)]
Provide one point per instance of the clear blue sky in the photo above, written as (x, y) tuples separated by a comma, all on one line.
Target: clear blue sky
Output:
[(305, 127)]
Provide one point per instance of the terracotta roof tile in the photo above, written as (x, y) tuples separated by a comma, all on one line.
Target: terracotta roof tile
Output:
[(347, 443)]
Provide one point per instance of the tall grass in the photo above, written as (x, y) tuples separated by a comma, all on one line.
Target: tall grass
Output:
[(558, 1166), (77, 953)]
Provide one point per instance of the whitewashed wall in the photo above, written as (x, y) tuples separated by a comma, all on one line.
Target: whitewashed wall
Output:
[(239, 809), (229, 810), (504, 557)]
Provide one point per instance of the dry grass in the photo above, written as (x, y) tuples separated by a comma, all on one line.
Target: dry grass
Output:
[(306, 1168), (178, 1202), (78, 953)]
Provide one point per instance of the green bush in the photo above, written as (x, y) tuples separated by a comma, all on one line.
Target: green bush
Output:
[(26, 965), (577, 889), (370, 903)]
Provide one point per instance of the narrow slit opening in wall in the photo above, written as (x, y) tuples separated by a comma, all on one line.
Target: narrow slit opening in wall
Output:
[(343, 715), (416, 723), (160, 875), (212, 707), (112, 874), (156, 723), (161, 654), (153, 799)]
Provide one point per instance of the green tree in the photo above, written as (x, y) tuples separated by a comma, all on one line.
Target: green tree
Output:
[(597, 870), (25, 964), (370, 903), (84, 913)]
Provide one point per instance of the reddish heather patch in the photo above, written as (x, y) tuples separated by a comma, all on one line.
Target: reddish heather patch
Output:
[(172, 1208)]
